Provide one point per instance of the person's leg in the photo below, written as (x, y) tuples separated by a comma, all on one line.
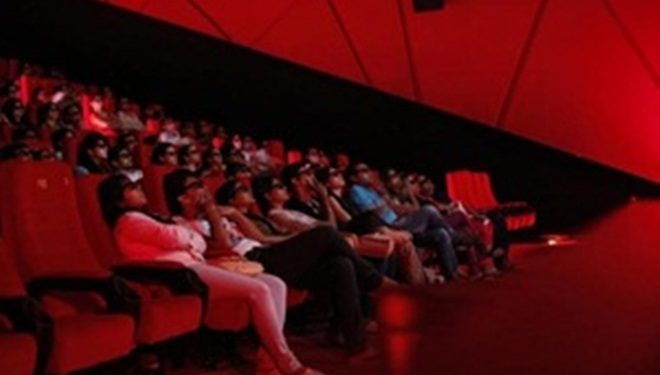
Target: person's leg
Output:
[(334, 280), (263, 309), (422, 220), (293, 258), (278, 292), (500, 241), (441, 242)]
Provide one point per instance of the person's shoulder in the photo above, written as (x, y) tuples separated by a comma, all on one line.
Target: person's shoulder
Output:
[(133, 216)]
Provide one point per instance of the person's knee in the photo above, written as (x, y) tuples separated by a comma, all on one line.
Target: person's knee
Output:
[(341, 267), (430, 211), (259, 292), (440, 236)]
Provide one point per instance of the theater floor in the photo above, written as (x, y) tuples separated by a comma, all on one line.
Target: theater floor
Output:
[(591, 306)]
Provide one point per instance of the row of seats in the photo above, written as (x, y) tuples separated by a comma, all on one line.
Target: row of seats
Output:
[(474, 189), (99, 308)]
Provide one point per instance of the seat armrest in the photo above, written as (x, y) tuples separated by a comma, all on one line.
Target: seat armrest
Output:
[(178, 278), (113, 289), (27, 316), (24, 313)]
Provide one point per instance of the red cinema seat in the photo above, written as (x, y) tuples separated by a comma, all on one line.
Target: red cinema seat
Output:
[(88, 305), (293, 156), (152, 182), (275, 148), (475, 190), (18, 323), (213, 183), (169, 307), (157, 322)]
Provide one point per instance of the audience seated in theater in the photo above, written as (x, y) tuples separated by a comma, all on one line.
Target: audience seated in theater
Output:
[(457, 215), (188, 133), (169, 132), (13, 114), (64, 96), (426, 224), (165, 154), (232, 150), (257, 157), (190, 158), (100, 119), (121, 161), (16, 151), (72, 118), (25, 134), (59, 138), (141, 236), (127, 116), (341, 162), (205, 131), (129, 140), (368, 223), (317, 259), (212, 163), (153, 115), (401, 194), (239, 172), (93, 155), (49, 117), (317, 158)]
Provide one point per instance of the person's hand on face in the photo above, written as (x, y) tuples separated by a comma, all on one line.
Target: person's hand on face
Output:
[(319, 188), (228, 211), (205, 199)]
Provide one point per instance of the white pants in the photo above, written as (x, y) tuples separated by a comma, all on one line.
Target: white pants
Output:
[(266, 297)]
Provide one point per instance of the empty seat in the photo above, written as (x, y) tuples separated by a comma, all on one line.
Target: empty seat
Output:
[(475, 190), (42, 228)]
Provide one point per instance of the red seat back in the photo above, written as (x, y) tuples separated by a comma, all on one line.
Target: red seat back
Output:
[(99, 234), (153, 187), (293, 156), (11, 284), (214, 183), (275, 148), (41, 223), (488, 189), (459, 187)]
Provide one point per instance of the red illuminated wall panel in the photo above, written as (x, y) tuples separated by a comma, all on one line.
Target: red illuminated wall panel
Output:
[(589, 84)]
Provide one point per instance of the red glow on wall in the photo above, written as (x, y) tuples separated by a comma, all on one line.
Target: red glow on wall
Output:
[(581, 76)]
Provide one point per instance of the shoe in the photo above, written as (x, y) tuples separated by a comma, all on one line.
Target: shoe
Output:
[(433, 276), (491, 271)]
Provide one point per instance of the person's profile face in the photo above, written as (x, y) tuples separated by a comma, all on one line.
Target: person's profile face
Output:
[(363, 174), (243, 198), (133, 195), (170, 157)]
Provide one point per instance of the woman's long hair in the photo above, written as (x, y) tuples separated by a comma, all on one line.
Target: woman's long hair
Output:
[(111, 194)]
